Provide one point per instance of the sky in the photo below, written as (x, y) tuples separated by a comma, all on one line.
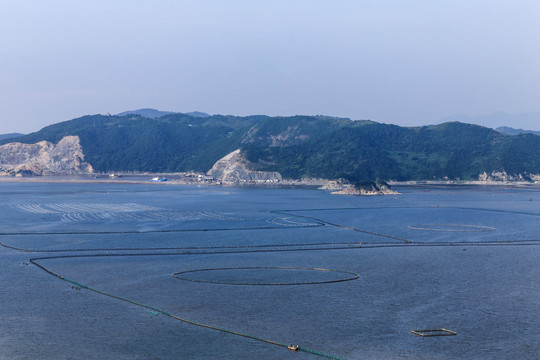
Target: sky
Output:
[(413, 62)]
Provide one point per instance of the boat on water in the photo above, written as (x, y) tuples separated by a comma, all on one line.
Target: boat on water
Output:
[(157, 178)]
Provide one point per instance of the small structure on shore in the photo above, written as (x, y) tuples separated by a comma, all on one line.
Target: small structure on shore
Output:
[(158, 179)]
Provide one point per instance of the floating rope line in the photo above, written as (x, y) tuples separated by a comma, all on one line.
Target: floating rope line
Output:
[(272, 247), (494, 210), (350, 276), (248, 248), (452, 228), (157, 310), (418, 207), (344, 226), (160, 231)]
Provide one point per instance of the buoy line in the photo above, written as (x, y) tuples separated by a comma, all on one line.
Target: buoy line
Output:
[(196, 249), (157, 310), (314, 225), (452, 228), (345, 226)]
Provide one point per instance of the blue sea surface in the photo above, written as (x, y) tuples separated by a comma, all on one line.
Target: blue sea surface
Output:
[(163, 271)]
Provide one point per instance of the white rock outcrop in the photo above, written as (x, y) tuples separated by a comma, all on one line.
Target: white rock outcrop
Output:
[(374, 189), (503, 177), (234, 167), (44, 158)]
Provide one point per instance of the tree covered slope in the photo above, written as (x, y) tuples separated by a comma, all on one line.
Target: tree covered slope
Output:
[(298, 146)]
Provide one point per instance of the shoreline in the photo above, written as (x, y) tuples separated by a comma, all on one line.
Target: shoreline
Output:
[(463, 183), (146, 179)]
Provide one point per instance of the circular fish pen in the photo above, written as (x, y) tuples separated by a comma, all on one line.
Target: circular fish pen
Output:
[(266, 276)]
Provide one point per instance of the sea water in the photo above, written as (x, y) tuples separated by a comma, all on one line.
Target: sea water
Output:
[(255, 261)]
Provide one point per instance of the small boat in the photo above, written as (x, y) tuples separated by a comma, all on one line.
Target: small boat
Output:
[(157, 178)]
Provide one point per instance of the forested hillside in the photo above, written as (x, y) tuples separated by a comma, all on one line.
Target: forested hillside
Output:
[(299, 146)]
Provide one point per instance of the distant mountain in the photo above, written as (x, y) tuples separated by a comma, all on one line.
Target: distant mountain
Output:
[(497, 119), (197, 114), (511, 131), (297, 146), (9, 136), (148, 113), (154, 114)]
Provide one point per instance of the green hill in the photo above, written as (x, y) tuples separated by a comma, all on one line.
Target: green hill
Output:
[(298, 146)]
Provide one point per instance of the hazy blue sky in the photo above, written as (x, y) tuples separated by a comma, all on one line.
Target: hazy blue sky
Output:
[(405, 62)]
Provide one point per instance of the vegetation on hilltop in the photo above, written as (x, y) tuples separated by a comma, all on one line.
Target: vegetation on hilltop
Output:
[(298, 146)]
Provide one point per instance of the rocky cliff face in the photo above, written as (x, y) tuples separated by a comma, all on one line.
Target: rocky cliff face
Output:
[(44, 158), (234, 167)]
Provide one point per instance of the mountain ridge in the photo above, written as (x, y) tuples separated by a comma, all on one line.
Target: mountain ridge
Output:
[(154, 113), (512, 131), (296, 146), (10, 136)]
